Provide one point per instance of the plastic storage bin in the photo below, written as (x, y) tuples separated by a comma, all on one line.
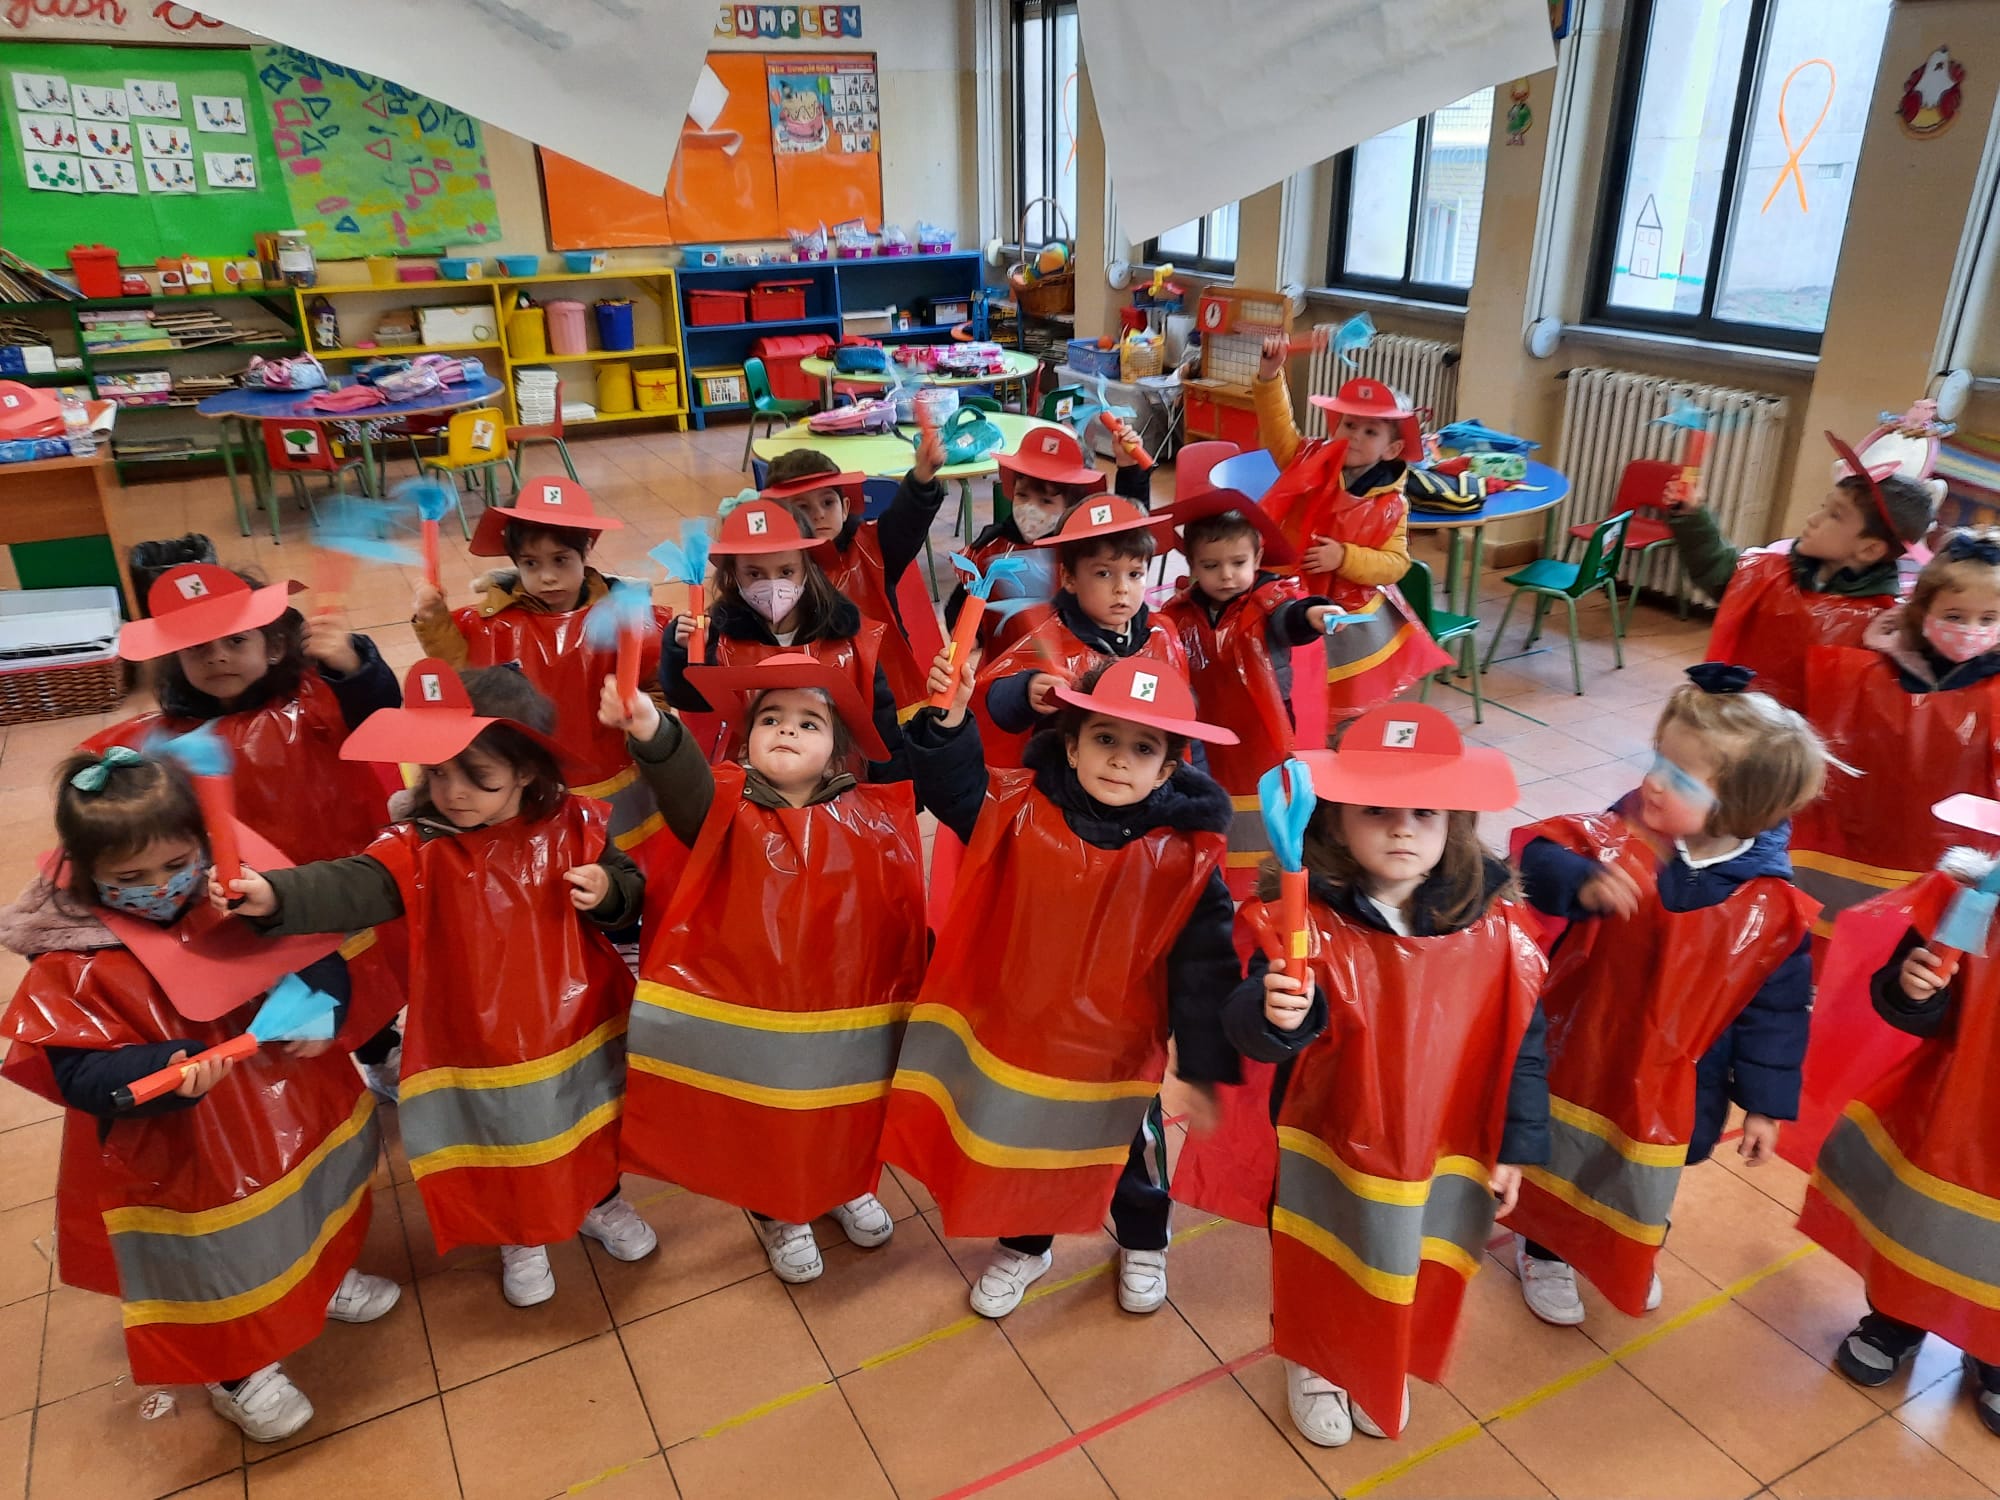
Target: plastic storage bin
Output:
[(521, 265), (1087, 359), (781, 354), (460, 268), (707, 309), (722, 386), (778, 301), (614, 389), (578, 262), (59, 653), (96, 268), (701, 257), (528, 333), (614, 323), (566, 328), (657, 390)]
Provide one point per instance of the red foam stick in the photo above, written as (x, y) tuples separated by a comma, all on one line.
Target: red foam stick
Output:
[(432, 575), (1310, 342), (1123, 435), (1292, 917), (217, 797), (153, 1085), (698, 636), (333, 571), (630, 638), (1694, 453), (963, 634)]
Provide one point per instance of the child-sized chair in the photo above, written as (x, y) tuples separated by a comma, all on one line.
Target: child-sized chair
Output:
[(1547, 578), (299, 448), (520, 439), (772, 411), (474, 443), (1642, 488), (1444, 627)]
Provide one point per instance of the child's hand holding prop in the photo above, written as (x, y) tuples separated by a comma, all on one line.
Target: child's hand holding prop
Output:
[(1357, 333), (963, 634), (1967, 924), (1117, 421), (292, 1012), (431, 500), (1697, 423), (209, 761), (686, 561), (349, 533), (1285, 796), (620, 622)]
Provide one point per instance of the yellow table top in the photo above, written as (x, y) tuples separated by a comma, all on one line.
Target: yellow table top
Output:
[(888, 456), (1019, 367)]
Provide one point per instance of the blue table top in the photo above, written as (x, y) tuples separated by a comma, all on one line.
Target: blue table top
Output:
[(280, 406), (1543, 488)]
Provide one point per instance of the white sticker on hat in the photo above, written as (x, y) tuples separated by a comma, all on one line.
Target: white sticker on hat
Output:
[(1399, 734), (1051, 444), (1100, 515), (191, 586), (760, 524), (1365, 391), (552, 494), (10, 401), (1145, 687), (432, 687)]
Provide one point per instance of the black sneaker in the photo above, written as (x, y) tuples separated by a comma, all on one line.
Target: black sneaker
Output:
[(1985, 1392), (1876, 1349)]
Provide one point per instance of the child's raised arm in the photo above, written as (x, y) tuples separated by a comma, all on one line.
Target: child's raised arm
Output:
[(437, 631), (946, 762), (667, 757)]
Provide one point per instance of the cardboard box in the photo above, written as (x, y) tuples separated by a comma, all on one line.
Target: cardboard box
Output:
[(458, 325)]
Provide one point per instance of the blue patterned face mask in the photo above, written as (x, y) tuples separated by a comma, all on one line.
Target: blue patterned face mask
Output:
[(1680, 785), (156, 903)]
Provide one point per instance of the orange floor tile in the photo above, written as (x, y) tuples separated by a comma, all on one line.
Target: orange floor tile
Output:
[(697, 1374)]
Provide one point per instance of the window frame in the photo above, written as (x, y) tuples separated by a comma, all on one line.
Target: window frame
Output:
[(1202, 264), (1704, 325), (1340, 217), (1052, 119)]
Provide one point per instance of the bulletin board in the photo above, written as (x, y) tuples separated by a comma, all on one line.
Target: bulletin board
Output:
[(796, 142), (190, 170)]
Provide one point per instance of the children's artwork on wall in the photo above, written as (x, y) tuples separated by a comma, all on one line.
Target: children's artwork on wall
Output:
[(221, 115), (104, 140), (48, 173), (1931, 96), (373, 168), (168, 176), (824, 104), (96, 103), (152, 99), (41, 91), (110, 177), (171, 141), (1810, 69), (229, 169), (48, 132)]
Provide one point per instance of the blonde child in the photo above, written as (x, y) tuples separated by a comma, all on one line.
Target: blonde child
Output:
[(1683, 983), (785, 962), (1410, 1090)]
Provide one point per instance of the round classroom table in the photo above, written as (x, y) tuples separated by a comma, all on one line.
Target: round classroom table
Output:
[(363, 427), (1541, 492), (1019, 370)]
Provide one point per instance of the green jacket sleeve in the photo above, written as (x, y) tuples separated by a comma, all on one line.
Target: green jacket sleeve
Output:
[(628, 890), (333, 895), (1704, 551), (680, 779)]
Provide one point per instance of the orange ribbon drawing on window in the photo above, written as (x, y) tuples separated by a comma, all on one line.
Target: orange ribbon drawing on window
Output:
[(1791, 168)]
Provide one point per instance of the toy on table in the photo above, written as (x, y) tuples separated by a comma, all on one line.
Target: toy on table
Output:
[(292, 1012), (969, 360), (686, 561), (620, 622), (1285, 797), (861, 418), (208, 760)]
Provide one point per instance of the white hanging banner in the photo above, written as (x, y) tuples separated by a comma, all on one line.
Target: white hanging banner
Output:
[(604, 81), (1206, 101)]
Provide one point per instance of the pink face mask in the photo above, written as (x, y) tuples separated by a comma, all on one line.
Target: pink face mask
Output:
[(1955, 642)]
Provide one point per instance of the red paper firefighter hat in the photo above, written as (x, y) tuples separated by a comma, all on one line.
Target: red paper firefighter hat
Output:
[(1107, 515), (1052, 455), (1411, 755), (26, 411), (1970, 810), (1279, 554), (1140, 690), (758, 526), (196, 603), (795, 669), (541, 502), (435, 723), (847, 482), (1362, 397), (1872, 477)]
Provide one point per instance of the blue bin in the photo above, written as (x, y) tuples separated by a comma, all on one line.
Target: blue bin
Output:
[(614, 324)]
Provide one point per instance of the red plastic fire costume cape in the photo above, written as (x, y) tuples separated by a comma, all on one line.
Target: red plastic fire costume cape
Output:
[(556, 658), (1767, 623), (1632, 1003), (1309, 500), (292, 787), (862, 575), (1387, 1138), (1907, 1187), (856, 655), (1028, 652), (230, 1223), (1039, 1039), (771, 1000), (514, 1047), (1378, 654), (1235, 681)]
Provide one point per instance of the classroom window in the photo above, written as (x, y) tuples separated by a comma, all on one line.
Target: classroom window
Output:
[(1738, 128), (1204, 244), (1045, 118), (1406, 205)]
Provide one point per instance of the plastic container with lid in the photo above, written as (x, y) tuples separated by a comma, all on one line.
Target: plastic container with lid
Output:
[(527, 333), (566, 328), (657, 390), (296, 262), (614, 323), (614, 388)]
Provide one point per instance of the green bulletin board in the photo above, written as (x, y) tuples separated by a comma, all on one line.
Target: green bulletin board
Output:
[(145, 223)]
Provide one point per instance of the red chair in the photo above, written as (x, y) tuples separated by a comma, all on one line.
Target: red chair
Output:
[(1642, 489), (299, 448), (545, 432)]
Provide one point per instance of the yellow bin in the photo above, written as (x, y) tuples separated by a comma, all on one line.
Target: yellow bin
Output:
[(527, 333), (658, 390), (381, 269), (614, 389)]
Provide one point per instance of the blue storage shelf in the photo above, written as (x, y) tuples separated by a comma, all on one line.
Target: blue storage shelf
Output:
[(694, 331)]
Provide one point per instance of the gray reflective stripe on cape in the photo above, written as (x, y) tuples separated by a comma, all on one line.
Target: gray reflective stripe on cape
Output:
[(1595, 1169), (1961, 1242), (1246, 831), (833, 1058), (1835, 893), (1387, 1237), (1007, 1117), (1364, 635), (521, 1114), (630, 806)]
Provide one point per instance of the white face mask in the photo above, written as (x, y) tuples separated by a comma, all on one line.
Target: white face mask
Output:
[(773, 598), (1036, 521)]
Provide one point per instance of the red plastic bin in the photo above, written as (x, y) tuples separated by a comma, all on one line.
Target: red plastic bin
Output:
[(781, 354), (778, 301), (706, 308), (96, 270)]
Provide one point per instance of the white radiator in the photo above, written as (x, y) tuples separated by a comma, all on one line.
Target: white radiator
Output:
[(1422, 371), (1608, 420)]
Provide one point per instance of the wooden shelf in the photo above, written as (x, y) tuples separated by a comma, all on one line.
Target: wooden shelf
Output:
[(615, 273), (775, 325), (393, 289), (645, 351), (401, 351)]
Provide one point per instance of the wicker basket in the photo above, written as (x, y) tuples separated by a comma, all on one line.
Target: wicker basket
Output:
[(1050, 296), (1137, 361), (29, 694)]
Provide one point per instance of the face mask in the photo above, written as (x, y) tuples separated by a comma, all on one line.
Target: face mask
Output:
[(1956, 642), (773, 598), (156, 903), (1036, 521), (1682, 787)]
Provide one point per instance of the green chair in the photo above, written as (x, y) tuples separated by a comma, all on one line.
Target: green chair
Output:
[(1444, 628), (1057, 403), (765, 407), (1547, 578), (981, 403)]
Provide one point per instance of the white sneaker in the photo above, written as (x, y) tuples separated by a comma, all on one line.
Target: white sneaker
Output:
[(1365, 1423), (385, 1078), (1548, 1287), (1142, 1279), (266, 1405), (526, 1278), (864, 1221), (1655, 1294), (361, 1298), (1006, 1280), (791, 1249), (1319, 1407), (619, 1229)]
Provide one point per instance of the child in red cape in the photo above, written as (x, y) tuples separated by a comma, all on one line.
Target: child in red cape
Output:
[(868, 558), (1099, 613), (228, 1213), (780, 972), (514, 1056), (1088, 924), (1683, 983), (771, 595), (1040, 481), (1838, 573), (1409, 1091), (535, 615), (1904, 1187), (282, 692)]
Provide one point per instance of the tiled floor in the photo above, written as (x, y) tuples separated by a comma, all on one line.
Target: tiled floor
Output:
[(696, 1373)]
